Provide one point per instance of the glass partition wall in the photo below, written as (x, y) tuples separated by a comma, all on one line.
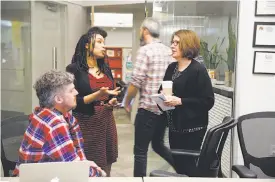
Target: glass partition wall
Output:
[(15, 58), (216, 23)]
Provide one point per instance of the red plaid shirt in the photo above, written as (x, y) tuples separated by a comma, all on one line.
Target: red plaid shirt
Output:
[(51, 137), (151, 63)]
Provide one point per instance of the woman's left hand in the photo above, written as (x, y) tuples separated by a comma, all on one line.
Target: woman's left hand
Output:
[(172, 100), (113, 102)]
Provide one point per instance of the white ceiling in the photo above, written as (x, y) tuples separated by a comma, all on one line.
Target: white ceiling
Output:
[(113, 20), (107, 2)]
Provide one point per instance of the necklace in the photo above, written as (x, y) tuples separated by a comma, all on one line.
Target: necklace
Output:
[(93, 69)]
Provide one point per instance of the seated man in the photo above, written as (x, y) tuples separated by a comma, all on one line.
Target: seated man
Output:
[(53, 134)]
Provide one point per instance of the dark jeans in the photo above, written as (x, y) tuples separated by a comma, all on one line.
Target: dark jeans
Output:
[(189, 141), (149, 127)]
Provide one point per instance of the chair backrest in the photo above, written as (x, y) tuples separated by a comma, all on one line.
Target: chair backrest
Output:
[(12, 131), (256, 133), (210, 158)]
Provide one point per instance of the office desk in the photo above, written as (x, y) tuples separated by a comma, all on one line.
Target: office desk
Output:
[(186, 179), (112, 179), (163, 179)]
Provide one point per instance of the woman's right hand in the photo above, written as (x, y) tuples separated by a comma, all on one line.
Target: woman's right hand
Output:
[(103, 91), (106, 91)]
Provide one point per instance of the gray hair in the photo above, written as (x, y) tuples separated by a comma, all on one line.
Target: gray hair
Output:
[(152, 25), (49, 84)]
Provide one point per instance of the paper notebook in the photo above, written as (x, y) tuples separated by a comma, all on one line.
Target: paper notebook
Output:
[(159, 100)]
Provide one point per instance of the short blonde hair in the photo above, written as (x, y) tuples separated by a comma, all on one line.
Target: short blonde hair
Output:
[(189, 43)]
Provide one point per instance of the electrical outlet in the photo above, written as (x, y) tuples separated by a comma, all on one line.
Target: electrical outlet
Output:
[(272, 150)]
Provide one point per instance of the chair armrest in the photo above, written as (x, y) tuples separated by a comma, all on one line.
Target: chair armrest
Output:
[(193, 153), (243, 171), (160, 173)]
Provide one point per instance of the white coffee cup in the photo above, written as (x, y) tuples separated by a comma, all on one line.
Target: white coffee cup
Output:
[(167, 87)]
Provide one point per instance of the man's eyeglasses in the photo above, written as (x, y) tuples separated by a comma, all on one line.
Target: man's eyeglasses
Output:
[(175, 42)]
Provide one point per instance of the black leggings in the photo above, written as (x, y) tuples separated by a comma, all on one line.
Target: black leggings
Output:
[(189, 141)]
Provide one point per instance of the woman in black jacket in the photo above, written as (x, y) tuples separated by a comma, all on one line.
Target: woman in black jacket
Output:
[(192, 97), (94, 83)]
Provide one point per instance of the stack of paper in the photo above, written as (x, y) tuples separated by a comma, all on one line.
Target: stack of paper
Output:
[(159, 100)]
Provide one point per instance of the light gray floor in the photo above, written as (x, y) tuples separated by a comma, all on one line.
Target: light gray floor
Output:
[(124, 165)]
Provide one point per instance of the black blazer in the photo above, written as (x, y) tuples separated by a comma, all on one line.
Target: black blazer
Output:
[(82, 85), (194, 88)]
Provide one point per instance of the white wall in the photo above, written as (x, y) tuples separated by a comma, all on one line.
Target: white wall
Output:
[(254, 93), (120, 37), (78, 24)]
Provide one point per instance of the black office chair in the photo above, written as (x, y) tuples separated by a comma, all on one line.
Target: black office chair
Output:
[(256, 133), (12, 131), (209, 158)]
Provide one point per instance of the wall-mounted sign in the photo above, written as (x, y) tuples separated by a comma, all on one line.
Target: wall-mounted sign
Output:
[(264, 62), (264, 8), (127, 64), (110, 53), (264, 34)]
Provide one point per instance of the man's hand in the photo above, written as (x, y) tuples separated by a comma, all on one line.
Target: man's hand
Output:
[(101, 172), (131, 93), (128, 108), (93, 164)]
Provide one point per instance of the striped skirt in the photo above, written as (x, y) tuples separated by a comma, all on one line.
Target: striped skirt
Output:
[(100, 136)]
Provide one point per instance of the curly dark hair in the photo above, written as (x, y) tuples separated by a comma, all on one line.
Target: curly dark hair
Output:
[(79, 57)]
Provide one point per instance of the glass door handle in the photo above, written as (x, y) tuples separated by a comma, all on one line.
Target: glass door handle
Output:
[(54, 58)]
